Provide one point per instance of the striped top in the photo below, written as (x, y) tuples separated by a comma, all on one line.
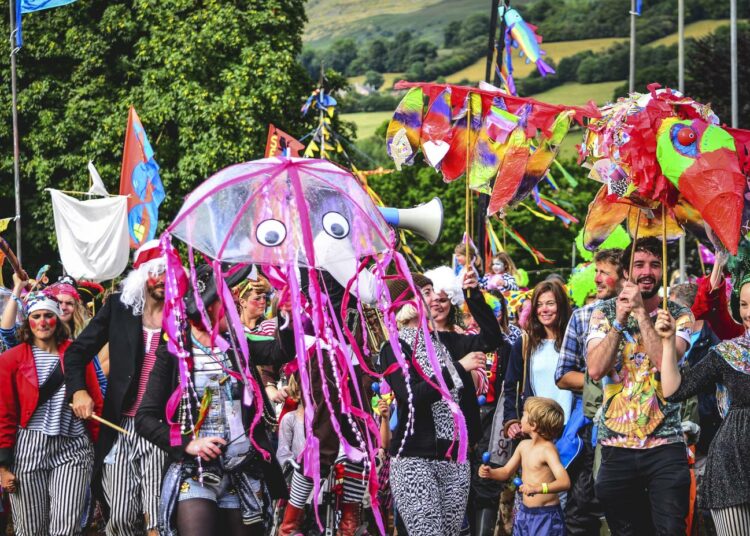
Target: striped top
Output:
[(54, 417), (150, 343)]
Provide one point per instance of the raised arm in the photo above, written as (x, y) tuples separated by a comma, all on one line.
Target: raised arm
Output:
[(603, 342)]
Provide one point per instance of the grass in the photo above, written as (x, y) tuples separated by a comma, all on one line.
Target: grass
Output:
[(696, 29), (575, 94), (367, 122), (556, 51), (364, 21)]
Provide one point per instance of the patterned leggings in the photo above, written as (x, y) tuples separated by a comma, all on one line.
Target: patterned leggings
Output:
[(732, 521), (430, 495)]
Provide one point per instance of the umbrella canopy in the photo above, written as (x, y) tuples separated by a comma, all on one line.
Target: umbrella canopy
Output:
[(281, 210)]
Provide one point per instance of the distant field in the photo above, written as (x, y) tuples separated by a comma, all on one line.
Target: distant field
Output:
[(389, 80), (367, 122), (364, 21), (575, 94), (521, 69), (696, 29)]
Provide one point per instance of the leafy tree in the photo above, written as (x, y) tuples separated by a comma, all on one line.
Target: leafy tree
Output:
[(707, 73), (377, 56), (206, 79), (476, 25), (340, 55), (450, 34), (374, 79)]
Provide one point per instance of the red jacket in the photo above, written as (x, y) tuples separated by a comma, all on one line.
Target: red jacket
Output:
[(711, 306), (19, 394)]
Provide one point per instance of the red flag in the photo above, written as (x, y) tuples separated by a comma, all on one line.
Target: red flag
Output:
[(280, 143), (139, 179)]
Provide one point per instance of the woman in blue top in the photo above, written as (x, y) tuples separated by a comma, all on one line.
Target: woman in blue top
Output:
[(533, 358)]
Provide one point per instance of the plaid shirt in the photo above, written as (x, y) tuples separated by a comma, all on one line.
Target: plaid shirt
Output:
[(573, 351)]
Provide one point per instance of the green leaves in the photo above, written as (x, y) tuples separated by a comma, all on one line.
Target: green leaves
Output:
[(206, 79)]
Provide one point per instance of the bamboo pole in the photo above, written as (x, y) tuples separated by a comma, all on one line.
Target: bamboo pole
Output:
[(664, 255)]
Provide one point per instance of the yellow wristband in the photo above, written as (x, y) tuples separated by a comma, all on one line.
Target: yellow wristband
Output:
[(545, 489)]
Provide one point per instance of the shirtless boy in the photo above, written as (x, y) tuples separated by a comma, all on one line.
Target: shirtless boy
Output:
[(543, 474)]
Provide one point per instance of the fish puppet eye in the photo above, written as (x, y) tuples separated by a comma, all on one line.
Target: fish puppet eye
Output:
[(270, 233), (686, 136), (684, 139), (335, 224)]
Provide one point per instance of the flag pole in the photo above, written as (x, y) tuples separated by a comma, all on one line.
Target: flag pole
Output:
[(681, 88), (14, 107)]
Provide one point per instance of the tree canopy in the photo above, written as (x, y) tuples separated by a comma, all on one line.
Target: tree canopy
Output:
[(205, 77)]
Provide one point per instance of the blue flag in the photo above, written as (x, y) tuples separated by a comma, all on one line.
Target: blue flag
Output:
[(639, 7), (29, 6)]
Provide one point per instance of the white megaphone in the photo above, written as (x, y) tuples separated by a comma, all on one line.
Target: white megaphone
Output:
[(426, 219)]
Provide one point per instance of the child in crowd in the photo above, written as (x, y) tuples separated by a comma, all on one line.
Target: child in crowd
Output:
[(543, 474), (292, 429)]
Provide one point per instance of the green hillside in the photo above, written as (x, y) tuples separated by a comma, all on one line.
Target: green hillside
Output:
[(332, 19)]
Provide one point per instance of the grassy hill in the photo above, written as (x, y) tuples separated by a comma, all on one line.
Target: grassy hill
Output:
[(332, 19)]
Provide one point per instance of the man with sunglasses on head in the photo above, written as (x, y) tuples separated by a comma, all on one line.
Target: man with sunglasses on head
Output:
[(131, 322)]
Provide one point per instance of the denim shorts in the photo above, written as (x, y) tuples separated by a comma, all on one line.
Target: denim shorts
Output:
[(224, 494)]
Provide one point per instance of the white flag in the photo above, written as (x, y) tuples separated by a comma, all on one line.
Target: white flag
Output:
[(92, 235)]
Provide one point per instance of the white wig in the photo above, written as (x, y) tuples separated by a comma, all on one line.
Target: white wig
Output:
[(133, 287), (444, 280)]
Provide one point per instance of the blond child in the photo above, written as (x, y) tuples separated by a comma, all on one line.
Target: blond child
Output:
[(543, 474)]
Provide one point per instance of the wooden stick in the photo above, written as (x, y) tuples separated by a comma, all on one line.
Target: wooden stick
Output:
[(635, 240), (467, 207), (700, 258), (664, 254), (105, 422)]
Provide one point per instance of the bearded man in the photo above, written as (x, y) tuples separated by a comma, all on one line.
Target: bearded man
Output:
[(130, 321)]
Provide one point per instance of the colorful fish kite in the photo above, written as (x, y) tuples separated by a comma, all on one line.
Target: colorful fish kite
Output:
[(509, 143), (523, 36), (662, 147)]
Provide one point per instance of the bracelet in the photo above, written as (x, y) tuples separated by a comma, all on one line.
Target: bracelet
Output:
[(545, 488)]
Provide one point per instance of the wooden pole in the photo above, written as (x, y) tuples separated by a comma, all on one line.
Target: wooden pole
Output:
[(635, 240), (467, 208), (664, 255)]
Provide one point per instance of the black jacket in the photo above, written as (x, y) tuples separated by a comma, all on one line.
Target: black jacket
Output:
[(708, 411), (423, 443), (150, 421), (117, 325)]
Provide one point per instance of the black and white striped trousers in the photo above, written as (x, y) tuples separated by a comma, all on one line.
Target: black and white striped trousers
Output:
[(131, 478), (53, 474), (732, 521)]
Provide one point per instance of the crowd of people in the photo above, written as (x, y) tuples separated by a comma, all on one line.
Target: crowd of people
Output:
[(618, 415)]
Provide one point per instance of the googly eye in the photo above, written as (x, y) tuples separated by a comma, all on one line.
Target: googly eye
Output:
[(270, 233), (686, 136), (335, 225)]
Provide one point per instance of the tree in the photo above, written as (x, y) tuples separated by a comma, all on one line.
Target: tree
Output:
[(450, 34), (206, 79), (377, 56), (707, 73), (340, 55), (374, 79)]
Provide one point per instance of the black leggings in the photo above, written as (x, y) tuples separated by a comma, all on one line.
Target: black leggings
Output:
[(201, 517)]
